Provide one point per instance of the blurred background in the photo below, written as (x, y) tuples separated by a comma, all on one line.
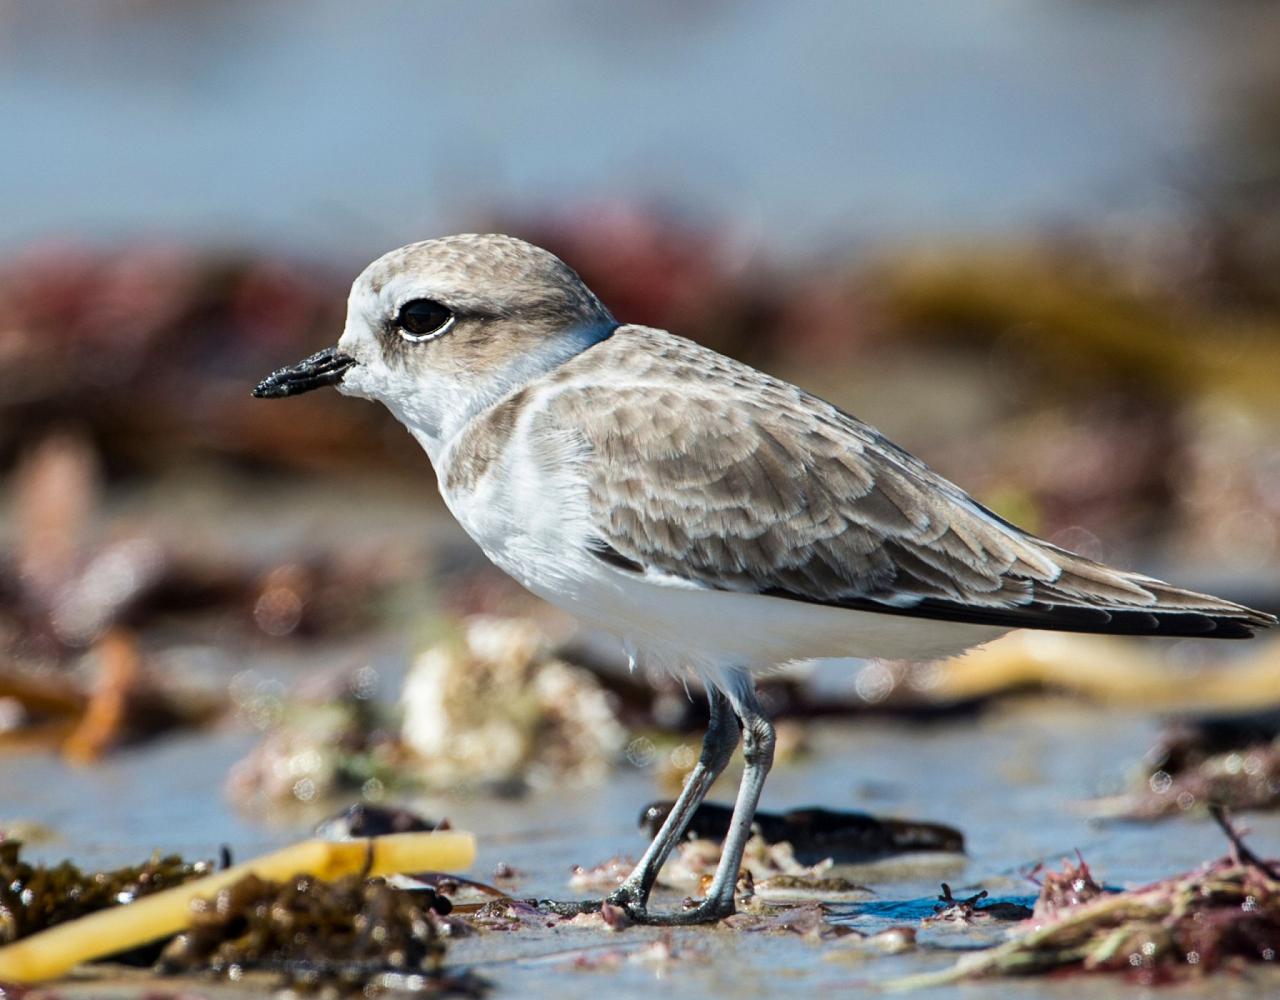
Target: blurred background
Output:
[(1037, 244)]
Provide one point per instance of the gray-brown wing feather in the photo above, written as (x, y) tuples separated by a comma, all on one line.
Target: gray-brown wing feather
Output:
[(714, 473)]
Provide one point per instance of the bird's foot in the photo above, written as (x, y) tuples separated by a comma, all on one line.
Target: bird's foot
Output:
[(634, 901), (626, 897), (629, 895), (706, 911)]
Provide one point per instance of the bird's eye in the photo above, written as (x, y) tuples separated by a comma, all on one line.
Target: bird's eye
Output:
[(420, 319)]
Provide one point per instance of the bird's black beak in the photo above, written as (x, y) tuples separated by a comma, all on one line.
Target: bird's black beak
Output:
[(323, 368)]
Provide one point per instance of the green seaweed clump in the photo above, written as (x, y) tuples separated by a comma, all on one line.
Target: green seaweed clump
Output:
[(339, 936), (34, 897)]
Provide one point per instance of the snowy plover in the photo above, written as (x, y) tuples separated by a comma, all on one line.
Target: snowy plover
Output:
[(719, 520)]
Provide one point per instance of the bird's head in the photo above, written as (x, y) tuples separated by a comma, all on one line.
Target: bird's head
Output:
[(437, 330)]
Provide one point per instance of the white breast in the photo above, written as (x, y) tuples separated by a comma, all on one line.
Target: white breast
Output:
[(528, 511)]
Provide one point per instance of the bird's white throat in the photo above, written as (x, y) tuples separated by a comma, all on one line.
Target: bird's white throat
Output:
[(435, 406)]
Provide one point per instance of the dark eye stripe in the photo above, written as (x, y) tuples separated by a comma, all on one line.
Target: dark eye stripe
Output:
[(420, 318)]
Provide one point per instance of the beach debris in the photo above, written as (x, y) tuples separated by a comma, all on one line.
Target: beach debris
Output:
[(603, 877), (892, 940), (1070, 310), (973, 910), (554, 724), (114, 368), (507, 913), (330, 738), (345, 933), (1224, 913), (78, 573), (1107, 670), (816, 834), (58, 948), (115, 701), (39, 707), (798, 855), (127, 705), (827, 887), (660, 955), (806, 920), (608, 917), (863, 945), (368, 819), (35, 897), (693, 863), (56, 488), (467, 894), (1229, 761), (1061, 890)]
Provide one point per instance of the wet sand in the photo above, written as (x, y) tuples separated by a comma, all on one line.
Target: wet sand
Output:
[(1008, 780)]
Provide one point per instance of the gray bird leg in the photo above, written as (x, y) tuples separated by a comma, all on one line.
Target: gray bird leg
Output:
[(717, 747), (757, 752)]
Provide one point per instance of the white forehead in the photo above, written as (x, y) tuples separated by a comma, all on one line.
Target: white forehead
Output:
[(380, 291)]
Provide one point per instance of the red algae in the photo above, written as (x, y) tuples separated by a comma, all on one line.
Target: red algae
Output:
[(1220, 915)]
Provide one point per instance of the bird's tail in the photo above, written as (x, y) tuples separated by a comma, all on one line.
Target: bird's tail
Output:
[(1091, 597)]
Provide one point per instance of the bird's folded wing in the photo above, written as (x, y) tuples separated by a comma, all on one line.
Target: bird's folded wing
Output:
[(768, 490)]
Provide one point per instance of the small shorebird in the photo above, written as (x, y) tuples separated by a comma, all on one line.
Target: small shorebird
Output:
[(719, 520)]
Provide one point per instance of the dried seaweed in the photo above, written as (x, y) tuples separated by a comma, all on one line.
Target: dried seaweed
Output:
[(53, 952), (1225, 912), (34, 897), (80, 576), (1061, 890), (344, 934), (1200, 764), (555, 725), (123, 702), (320, 744)]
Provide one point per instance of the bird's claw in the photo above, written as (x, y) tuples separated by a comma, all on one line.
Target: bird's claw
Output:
[(707, 911)]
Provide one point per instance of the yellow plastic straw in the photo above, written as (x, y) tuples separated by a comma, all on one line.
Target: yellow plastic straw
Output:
[(56, 951)]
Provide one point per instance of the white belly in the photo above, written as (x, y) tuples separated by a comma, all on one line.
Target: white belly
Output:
[(677, 628)]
